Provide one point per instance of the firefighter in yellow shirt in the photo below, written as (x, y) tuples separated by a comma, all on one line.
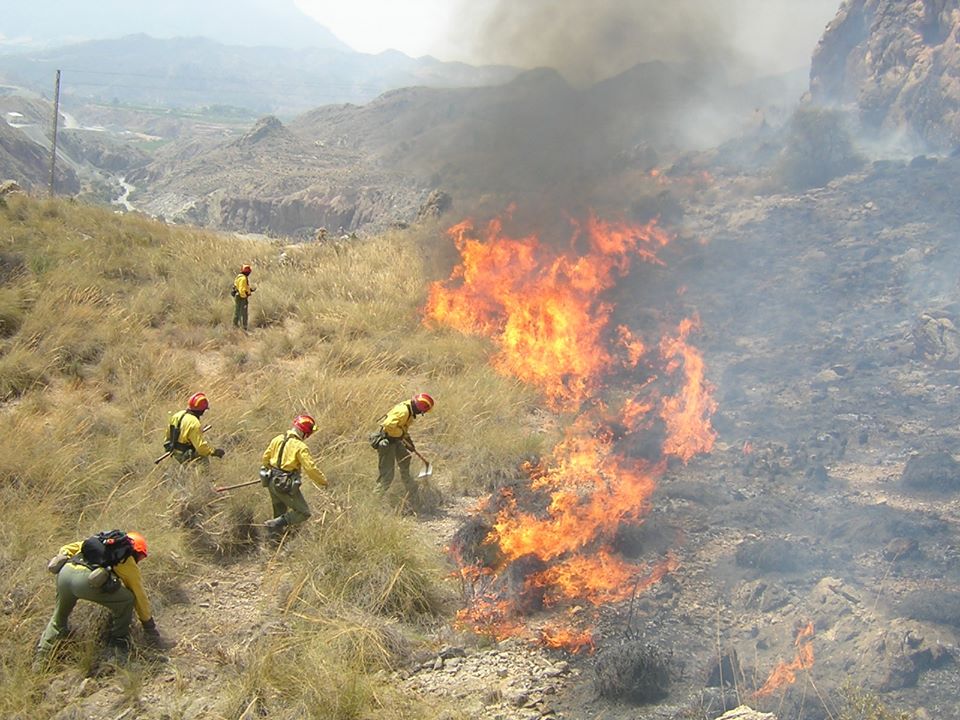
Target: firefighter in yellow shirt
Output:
[(102, 569), (184, 438), (241, 297), (394, 444), (285, 459)]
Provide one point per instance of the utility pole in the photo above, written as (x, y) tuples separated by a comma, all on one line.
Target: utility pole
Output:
[(56, 117)]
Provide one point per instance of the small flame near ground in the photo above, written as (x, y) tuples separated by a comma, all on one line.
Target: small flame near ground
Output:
[(545, 307), (785, 673)]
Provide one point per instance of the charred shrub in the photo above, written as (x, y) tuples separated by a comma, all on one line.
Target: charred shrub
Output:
[(819, 148), (637, 672), (936, 472), (775, 555), (931, 606)]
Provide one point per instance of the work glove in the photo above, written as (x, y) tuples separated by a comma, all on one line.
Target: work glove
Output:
[(383, 443), (150, 628), (219, 453), (56, 563), (265, 476)]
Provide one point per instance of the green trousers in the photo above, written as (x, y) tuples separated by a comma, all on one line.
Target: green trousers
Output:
[(290, 505), (73, 585), (240, 306), (395, 455)]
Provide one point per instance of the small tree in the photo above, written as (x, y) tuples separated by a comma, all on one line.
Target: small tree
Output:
[(818, 149)]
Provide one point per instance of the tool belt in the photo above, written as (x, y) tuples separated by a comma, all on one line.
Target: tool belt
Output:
[(284, 481)]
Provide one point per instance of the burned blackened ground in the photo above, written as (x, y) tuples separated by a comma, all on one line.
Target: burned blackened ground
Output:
[(829, 332), (829, 329)]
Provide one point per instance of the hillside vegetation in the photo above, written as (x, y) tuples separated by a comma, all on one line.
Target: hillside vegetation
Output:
[(107, 324)]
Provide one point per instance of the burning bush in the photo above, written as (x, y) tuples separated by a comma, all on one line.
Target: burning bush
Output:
[(548, 307), (635, 671)]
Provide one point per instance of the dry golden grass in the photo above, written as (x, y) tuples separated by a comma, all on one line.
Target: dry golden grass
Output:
[(110, 322)]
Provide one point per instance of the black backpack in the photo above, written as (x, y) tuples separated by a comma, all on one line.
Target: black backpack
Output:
[(106, 549)]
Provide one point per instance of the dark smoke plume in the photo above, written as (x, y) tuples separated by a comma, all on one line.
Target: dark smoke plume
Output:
[(591, 41)]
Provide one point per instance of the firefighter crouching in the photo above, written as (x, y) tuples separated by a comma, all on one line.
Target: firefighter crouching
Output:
[(184, 438), (285, 459), (102, 569)]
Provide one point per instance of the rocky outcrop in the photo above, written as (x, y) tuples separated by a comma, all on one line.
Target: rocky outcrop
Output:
[(897, 62), (746, 713), (297, 216)]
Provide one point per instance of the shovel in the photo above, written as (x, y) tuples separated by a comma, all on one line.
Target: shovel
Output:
[(427, 467)]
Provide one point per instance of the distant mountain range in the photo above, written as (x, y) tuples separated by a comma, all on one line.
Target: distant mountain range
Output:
[(193, 73), (49, 23)]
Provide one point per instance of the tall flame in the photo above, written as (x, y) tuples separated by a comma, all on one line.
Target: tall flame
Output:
[(545, 307)]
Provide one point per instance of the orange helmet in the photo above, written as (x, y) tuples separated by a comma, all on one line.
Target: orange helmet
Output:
[(305, 424), (246, 269), (422, 402), (139, 542), (198, 401)]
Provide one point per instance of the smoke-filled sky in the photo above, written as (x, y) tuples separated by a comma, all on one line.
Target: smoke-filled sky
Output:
[(586, 40)]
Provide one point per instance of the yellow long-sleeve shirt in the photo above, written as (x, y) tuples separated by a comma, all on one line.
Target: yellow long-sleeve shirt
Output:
[(190, 432), (242, 285), (296, 456), (396, 422), (129, 573)]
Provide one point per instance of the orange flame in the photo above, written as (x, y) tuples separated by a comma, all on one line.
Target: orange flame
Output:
[(687, 433), (575, 641), (786, 673), (544, 307)]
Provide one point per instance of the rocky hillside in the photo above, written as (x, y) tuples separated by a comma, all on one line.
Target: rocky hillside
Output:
[(29, 163), (372, 166), (895, 62)]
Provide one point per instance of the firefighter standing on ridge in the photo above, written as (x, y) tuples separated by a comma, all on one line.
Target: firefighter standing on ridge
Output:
[(394, 444), (102, 569), (286, 457), (184, 438), (241, 297)]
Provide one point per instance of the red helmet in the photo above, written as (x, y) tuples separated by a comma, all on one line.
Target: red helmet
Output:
[(198, 401), (246, 269), (305, 424), (422, 402), (139, 542)]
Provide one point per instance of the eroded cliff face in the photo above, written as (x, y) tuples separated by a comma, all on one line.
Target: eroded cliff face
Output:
[(898, 63)]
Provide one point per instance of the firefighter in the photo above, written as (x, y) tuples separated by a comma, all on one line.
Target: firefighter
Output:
[(184, 438), (104, 570), (241, 296), (286, 457), (394, 444)]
